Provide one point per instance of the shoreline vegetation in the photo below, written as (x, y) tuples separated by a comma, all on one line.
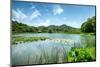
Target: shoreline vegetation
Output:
[(81, 54), (20, 39)]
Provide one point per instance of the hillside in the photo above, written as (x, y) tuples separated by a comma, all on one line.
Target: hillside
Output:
[(20, 27)]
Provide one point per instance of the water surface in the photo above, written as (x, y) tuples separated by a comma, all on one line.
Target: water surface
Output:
[(42, 52)]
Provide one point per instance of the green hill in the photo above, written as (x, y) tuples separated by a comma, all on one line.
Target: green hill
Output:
[(18, 27)]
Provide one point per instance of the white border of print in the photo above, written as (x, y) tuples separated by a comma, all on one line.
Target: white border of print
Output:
[(89, 2)]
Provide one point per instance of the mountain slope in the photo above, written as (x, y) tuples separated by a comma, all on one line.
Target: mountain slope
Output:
[(20, 27)]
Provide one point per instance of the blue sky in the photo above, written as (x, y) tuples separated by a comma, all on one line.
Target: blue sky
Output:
[(37, 14)]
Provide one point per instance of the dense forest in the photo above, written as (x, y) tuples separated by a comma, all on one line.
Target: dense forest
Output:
[(87, 27)]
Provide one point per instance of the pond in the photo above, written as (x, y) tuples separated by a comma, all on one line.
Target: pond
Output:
[(48, 51)]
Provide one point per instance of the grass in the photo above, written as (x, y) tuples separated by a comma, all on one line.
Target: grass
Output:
[(21, 39)]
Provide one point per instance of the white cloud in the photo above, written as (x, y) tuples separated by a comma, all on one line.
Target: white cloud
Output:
[(18, 15), (35, 14), (21, 15), (57, 10)]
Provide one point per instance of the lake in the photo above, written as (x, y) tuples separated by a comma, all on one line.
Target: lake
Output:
[(48, 51)]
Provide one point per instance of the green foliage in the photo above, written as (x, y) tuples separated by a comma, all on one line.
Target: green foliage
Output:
[(89, 25), (82, 54), (21, 39), (20, 27)]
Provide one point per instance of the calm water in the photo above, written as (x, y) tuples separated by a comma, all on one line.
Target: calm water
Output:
[(41, 52)]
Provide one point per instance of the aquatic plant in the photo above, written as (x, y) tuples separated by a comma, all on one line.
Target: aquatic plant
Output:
[(21, 39), (52, 57), (55, 54), (63, 41)]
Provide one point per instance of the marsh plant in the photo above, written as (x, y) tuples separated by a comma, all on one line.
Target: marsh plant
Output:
[(45, 53), (22, 39)]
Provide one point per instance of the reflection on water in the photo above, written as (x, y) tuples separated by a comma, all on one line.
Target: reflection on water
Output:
[(41, 52)]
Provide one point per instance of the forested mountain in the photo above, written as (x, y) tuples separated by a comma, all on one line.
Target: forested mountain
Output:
[(20, 27), (89, 26)]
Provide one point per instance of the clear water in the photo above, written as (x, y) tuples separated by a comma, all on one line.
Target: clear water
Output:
[(42, 52)]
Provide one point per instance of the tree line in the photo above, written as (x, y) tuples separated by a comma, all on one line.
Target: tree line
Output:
[(88, 26), (20, 27)]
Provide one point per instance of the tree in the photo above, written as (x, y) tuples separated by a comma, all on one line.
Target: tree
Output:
[(89, 25)]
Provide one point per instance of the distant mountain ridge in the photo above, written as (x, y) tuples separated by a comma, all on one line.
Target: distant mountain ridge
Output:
[(20, 27)]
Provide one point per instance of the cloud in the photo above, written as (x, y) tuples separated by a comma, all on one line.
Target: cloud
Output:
[(35, 14), (57, 10), (20, 16)]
